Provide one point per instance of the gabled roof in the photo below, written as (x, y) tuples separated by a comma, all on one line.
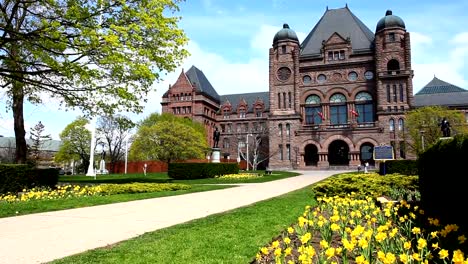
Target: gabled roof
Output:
[(201, 83), (343, 22), (250, 99), (438, 92), (438, 86)]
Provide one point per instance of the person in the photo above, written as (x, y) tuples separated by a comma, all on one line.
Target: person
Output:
[(445, 127), (216, 135)]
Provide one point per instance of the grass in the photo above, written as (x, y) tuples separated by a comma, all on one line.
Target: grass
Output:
[(22, 208), (38, 206), (230, 237), (162, 177)]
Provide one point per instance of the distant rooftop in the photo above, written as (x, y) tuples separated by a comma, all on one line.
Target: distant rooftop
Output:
[(438, 86), (438, 92)]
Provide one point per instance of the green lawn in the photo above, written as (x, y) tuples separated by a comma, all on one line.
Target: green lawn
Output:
[(163, 178), (38, 206), (231, 237)]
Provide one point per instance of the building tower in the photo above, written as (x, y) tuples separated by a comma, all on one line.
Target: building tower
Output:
[(394, 92), (284, 96)]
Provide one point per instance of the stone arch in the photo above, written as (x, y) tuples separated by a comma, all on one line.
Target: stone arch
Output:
[(341, 90), (355, 91), (313, 142), (348, 141), (317, 92), (366, 140)]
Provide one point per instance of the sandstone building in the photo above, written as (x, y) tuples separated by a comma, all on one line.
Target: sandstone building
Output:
[(332, 98)]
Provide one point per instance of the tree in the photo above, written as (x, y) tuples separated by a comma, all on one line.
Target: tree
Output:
[(38, 138), (113, 131), (156, 117), (422, 126), (76, 140), (258, 149), (98, 56), (168, 141)]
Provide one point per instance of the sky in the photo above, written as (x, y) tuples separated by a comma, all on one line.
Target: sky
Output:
[(230, 41)]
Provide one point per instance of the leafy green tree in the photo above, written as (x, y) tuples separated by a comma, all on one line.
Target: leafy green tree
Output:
[(168, 141), (98, 56), (38, 138), (422, 126), (113, 132), (154, 118), (76, 140)]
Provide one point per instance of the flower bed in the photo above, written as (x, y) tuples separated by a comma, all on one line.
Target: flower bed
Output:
[(349, 230)]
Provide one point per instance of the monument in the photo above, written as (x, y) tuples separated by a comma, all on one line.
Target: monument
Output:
[(216, 151), (102, 163), (445, 127)]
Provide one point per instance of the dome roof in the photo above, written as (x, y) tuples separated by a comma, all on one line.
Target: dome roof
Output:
[(285, 34), (389, 20)]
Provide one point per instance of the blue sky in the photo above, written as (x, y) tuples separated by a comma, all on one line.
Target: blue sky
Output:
[(229, 42)]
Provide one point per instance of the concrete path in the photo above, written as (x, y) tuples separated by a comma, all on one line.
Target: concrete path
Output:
[(43, 237)]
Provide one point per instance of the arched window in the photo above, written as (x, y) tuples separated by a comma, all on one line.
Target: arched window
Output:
[(391, 124), (401, 93), (288, 130), (364, 107), (401, 124), (313, 110), (338, 109), (388, 93), (393, 66), (289, 100), (280, 130), (279, 100), (284, 100)]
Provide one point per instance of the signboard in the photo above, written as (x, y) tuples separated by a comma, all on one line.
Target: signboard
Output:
[(383, 153)]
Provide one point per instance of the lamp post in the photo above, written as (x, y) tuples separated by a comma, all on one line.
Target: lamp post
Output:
[(92, 128), (126, 153), (422, 138)]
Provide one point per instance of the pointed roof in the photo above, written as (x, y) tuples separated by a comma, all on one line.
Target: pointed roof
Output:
[(343, 22), (438, 92), (438, 86), (249, 98), (198, 78)]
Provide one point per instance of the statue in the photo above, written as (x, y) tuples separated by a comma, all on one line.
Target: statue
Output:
[(216, 135), (103, 155), (445, 127)]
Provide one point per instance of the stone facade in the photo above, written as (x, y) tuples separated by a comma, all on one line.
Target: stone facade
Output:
[(331, 99)]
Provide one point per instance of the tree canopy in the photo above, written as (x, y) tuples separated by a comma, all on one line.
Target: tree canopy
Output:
[(95, 55), (114, 132), (423, 125), (168, 141), (75, 139)]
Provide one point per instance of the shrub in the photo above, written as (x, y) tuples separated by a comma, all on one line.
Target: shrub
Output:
[(137, 187)]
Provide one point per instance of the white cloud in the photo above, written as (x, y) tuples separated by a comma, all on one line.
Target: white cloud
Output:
[(448, 68)]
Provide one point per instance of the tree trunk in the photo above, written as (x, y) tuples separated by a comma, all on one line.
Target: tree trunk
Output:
[(20, 133)]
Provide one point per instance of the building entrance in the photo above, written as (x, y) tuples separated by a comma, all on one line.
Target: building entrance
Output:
[(367, 150), (311, 155), (338, 153)]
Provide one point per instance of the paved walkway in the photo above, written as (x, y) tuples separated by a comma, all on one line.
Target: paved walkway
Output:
[(43, 237)]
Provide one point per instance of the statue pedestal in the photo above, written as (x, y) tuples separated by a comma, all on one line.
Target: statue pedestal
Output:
[(215, 155), (102, 167)]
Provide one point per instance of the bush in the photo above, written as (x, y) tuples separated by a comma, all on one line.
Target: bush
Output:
[(137, 187), (16, 177), (442, 170)]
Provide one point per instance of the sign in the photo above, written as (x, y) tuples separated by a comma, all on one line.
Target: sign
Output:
[(383, 153)]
